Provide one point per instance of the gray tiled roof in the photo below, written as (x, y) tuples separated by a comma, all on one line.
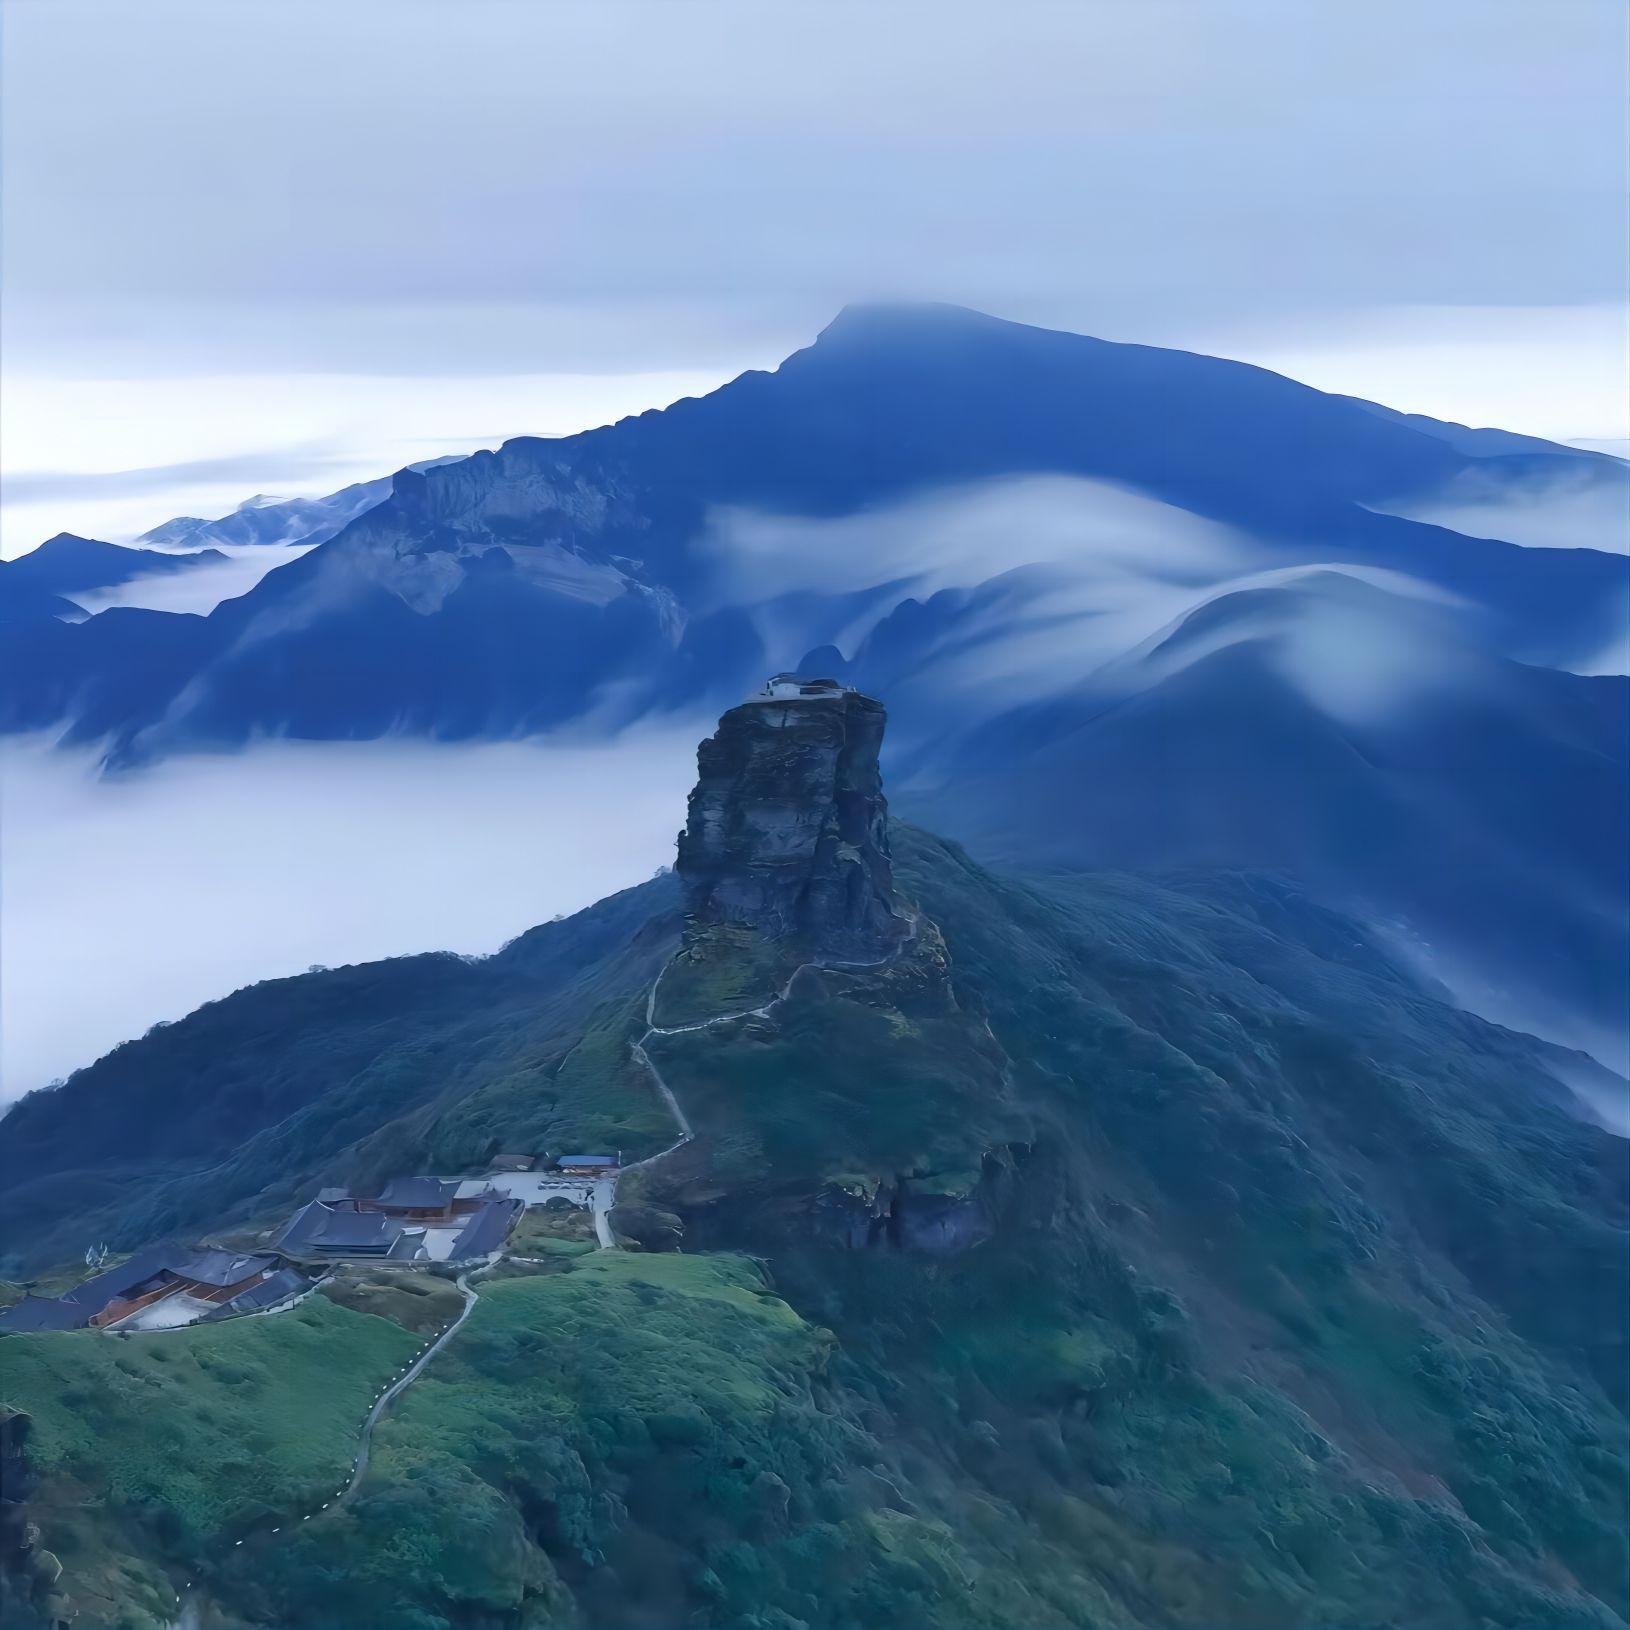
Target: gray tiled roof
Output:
[(408, 1245), (275, 1288), (112, 1283), (210, 1267), (76, 1307), (486, 1230), (42, 1313), (316, 1228), (220, 1268), (419, 1193)]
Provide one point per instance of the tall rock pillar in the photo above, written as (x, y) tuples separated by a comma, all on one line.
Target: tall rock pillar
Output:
[(787, 829)]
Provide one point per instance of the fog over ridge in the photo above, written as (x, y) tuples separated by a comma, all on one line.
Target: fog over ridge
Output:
[(131, 900), (959, 535), (200, 589), (1070, 581), (168, 886), (1570, 509)]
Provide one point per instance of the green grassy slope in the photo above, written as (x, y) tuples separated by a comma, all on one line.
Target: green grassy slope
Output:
[(1225, 1280), (642, 1440), (857, 1077), (154, 1453)]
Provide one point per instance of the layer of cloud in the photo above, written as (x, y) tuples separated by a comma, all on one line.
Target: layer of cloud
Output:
[(963, 535), (201, 588), (1612, 656), (1362, 644), (130, 901), (1490, 997), (653, 151), (1101, 550), (1069, 582), (600, 185), (71, 441), (1574, 510), (238, 469)]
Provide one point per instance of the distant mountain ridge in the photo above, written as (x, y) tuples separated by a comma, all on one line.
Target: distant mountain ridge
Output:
[(602, 535), (671, 560), (270, 521), (67, 565)]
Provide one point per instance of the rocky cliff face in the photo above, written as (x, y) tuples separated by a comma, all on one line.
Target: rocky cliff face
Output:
[(787, 829)]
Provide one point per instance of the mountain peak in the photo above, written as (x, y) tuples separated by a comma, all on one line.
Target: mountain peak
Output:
[(787, 829), (870, 320), (68, 542)]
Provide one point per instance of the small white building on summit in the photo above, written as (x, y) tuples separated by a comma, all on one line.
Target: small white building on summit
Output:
[(794, 687)]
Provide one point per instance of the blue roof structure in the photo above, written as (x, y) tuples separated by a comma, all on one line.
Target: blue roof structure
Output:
[(587, 1160)]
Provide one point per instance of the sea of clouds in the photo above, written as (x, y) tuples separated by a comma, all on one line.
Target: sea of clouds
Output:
[(130, 900)]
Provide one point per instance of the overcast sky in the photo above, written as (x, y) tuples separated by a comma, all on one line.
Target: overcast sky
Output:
[(282, 244)]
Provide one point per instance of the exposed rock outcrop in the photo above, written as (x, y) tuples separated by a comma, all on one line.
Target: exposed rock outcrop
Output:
[(787, 829), (29, 1574), (910, 1215)]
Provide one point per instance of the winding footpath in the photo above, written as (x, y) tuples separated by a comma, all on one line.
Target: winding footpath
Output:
[(601, 1200), (383, 1402), (653, 1029), (188, 1618)]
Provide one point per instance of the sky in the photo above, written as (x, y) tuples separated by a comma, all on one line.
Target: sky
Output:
[(281, 245)]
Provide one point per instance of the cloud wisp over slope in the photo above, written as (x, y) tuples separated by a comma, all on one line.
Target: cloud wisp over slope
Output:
[(129, 903)]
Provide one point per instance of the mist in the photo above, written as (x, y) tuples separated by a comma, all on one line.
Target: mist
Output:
[(1359, 642), (1092, 553), (1596, 1060), (1070, 581), (129, 901), (200, 589), (962, 535), (1575, 510)]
